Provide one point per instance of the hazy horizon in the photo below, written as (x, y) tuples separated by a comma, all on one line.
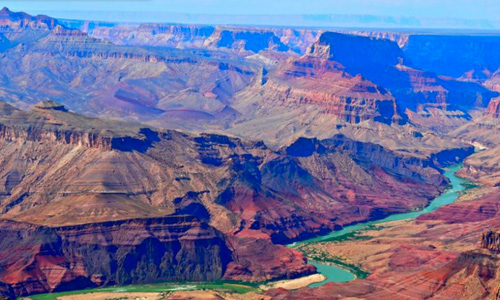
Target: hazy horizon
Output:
[(426, 14)]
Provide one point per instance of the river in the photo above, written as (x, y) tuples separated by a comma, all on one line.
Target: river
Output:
[(337, 274)]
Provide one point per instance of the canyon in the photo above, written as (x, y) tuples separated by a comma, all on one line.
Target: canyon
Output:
[(138, 153), (73, 185)]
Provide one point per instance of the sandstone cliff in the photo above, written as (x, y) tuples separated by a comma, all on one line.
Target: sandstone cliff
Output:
[(311, 81)]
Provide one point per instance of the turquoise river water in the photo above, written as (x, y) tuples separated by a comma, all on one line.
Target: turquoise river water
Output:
[(335, 273)]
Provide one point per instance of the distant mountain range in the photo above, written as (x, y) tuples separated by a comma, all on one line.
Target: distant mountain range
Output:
[(312, 20)]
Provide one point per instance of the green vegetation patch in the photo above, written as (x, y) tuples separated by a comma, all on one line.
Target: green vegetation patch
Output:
[(319, 256), (469, 185), (230, 286), (351, 236)]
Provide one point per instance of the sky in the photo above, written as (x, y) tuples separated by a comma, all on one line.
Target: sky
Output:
[(149, 10)]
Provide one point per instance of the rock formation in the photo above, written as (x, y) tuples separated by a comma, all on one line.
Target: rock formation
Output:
[(242, 40), (311, 81), (40, 259), (491, 240), (385, 64), (12, 21)]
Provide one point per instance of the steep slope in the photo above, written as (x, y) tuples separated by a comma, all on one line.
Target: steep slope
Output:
[(353, 126), (483, 131), (307, 81), (137, 78), (358, 54), (227, 165), (81, 182), (470, 57), (229, 87), (39, 259), (464, 56)]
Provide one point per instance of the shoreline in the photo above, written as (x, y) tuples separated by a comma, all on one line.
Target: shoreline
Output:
[(433, 205), (293, 284), (332, 264)]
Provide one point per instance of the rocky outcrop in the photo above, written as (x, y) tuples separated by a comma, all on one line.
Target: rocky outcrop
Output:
[(12, 21), (262, 189), (257, 260), (367, 153), (86, 139), (142, 199), (358, 54), (491, 240), (253, 40), (449, 157), (38, 259), (239, 192), (323, 83), (399, 37), (350, 188), (483, 209), (297, 39), (423, 91), (48, 122), (493, 109)]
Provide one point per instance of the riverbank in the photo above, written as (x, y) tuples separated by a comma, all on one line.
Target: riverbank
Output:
[(233, 287), (293, 284), (335, 272)]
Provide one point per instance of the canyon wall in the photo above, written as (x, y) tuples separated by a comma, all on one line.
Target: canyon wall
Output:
[(39, 259)]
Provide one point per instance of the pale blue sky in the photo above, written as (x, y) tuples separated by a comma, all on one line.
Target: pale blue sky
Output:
[(458, 9)]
